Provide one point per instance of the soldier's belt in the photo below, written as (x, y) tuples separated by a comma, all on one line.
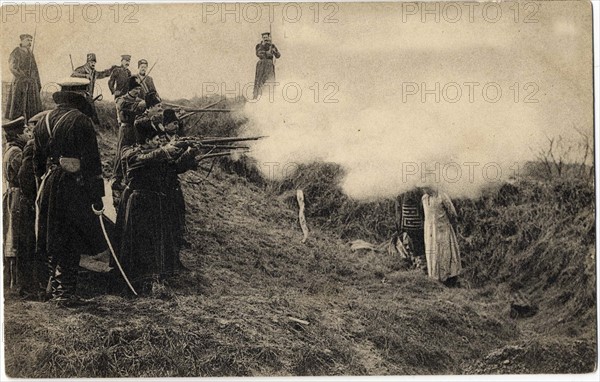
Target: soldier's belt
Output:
[(71, 165)]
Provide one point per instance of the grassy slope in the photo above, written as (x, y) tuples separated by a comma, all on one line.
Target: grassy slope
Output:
[(231, 315), (250, 274)]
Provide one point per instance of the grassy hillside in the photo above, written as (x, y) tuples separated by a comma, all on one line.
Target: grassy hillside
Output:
[(259, 302)]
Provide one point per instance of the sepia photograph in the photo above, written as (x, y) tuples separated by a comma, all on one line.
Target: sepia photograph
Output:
[(310, 189)]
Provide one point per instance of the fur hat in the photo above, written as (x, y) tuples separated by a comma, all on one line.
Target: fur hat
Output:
[(151, 99), (133, 83), (145, 131), (169, 116)]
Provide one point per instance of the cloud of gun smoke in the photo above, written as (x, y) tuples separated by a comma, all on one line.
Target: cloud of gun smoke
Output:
[(387, 146)]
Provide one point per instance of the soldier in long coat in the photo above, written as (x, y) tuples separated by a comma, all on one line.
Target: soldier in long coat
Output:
[(129, 107), (11, 162), (147, 243), (32, 269), (187, 161), (24, 94), (89, 72), (265, 68), (67, 161)]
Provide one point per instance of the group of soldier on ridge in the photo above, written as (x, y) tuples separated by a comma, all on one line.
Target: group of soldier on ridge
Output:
[(52, 204), (53, 208)]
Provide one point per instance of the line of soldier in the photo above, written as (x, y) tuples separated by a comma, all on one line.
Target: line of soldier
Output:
[(24, 94), (48, 227), (53, 202)]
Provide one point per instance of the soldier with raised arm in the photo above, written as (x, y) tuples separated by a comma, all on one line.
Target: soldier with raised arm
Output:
[(117, 83), (89, 72)]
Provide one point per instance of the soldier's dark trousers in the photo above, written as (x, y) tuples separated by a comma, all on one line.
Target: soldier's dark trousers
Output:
[(31, 268)]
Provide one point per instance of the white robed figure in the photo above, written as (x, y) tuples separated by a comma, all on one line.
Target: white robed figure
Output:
[(441, 246)]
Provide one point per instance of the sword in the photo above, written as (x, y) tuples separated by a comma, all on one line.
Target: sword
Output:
[(112, 251)]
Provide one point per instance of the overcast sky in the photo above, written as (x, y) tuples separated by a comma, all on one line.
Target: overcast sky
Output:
[(539, 55)]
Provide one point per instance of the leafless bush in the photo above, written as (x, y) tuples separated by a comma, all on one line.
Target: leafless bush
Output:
[(567, 157)]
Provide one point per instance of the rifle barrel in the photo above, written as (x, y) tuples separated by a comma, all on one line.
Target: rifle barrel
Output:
[(214, 140), (207, 110), (221, 154), (188, 109), (223, 147)]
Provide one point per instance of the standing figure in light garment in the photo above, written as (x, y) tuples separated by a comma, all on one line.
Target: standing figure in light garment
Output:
[(441, 246)]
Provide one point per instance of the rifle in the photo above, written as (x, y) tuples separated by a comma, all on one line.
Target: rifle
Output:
[(271, 48), (211, 148), (194, 111), (148, 72), (210, 141), (72, 66), (217, 140), (188, 113), (212, 144), (215, 155), (29, 76)]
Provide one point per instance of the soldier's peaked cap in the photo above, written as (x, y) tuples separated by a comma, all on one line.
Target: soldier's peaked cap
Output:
[(71, 90), (24, 36), (126, 57), (14, 125), (74, 84), (141, 62), (91, 57), (265, 34)]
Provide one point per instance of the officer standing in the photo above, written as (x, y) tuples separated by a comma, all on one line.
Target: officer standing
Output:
[(117, 83), (67, 162)]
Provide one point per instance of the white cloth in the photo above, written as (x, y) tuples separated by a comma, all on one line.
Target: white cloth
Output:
[(441, 245)]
